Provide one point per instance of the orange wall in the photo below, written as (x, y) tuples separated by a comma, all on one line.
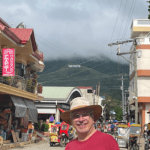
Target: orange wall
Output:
[(143, 73), (143, 99), (143, 47)]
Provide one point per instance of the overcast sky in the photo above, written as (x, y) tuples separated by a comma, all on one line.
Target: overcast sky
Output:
[(66, 28)]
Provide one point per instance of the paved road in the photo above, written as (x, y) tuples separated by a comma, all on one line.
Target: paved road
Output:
[(44, 145)]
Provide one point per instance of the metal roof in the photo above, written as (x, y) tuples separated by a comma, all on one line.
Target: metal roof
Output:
[(51, 92)]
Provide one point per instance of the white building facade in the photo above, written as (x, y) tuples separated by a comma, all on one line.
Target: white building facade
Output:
[(140, 30)]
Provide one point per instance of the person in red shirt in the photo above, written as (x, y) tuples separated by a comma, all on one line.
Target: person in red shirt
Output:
[(128, 124), (82, 116)]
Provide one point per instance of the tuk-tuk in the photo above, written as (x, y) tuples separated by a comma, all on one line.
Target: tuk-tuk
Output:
[(54, 137), (64, 136), (122, 135), (135, 131)]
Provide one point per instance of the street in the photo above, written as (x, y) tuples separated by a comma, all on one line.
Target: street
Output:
[(44, 145)]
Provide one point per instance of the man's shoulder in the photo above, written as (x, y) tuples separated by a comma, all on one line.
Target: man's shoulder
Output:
[(71, 143), (103, 134)]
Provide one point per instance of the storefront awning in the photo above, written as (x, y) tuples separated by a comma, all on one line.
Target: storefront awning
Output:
[(32, 110), (20, 106), (46, 111)]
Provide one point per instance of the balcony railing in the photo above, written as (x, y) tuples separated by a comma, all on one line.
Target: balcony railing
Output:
[(28, 84)]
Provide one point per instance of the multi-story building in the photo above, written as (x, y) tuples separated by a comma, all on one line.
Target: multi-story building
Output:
[(18, 93), (87, 92), (140, 64)]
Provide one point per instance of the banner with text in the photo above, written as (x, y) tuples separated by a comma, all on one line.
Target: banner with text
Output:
[(8, 62)]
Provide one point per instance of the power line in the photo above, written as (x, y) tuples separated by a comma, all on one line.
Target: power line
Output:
[(50, 46), (128, 20), (122, 18), (116, 21), (131, 13)]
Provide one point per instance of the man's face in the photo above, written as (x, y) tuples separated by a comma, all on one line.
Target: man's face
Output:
[(82, 120)]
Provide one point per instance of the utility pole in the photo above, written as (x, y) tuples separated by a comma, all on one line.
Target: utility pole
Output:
[(123, 110), (98, 88), (135, 68), (135, 85), (125, 104)]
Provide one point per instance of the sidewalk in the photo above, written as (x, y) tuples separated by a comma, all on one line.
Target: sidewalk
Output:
[(18, 144), (141, 143), (12, 145)]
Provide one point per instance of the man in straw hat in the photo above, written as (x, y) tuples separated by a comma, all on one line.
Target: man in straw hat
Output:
[(82, 116)]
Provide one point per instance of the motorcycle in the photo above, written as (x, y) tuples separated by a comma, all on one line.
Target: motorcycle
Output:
[(147, 139), (147, 143), (112, 131)]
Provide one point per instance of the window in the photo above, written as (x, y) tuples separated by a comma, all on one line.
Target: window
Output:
[(20, 69), (89, 91)]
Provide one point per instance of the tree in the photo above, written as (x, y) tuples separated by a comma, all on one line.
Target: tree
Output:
[(118, 111), (112, 104)]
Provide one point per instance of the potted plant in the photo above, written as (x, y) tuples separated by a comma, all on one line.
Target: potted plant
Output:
[(29, 85), (39, 88), (7, 79)]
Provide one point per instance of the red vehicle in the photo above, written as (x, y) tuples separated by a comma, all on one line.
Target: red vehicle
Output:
[(64, 135)]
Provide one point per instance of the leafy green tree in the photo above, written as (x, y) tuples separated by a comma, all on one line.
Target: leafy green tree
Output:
[(118, 111)]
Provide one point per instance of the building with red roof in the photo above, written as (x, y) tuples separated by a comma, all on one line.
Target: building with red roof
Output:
[(18, 92)]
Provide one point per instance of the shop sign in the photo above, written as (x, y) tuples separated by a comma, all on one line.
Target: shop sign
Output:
[(8, 62)]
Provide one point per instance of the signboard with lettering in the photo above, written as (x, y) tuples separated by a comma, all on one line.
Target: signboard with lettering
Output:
[(8, 62)]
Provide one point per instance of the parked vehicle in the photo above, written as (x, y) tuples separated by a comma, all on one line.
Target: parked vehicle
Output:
[(135, 131), (146, 135), (54, 136), (145, 130), (64, 136), (71, 133), (147, 142), (122, 135)]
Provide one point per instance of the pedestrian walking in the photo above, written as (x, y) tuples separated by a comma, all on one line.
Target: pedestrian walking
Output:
[(30, 130), (82, 116)]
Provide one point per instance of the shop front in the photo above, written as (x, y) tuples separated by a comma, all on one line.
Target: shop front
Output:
[(15, 113)]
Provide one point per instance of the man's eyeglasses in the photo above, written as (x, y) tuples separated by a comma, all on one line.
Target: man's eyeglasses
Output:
[(77, 116)]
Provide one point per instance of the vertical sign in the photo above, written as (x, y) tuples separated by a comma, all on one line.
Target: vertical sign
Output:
[(8, 62)]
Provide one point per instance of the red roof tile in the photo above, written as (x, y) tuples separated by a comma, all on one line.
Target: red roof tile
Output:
[(23, 34)]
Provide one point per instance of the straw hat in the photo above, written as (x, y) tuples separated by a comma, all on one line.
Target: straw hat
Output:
[(81, 103)]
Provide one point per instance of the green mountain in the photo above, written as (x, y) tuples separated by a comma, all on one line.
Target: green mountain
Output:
[(91, 71)]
